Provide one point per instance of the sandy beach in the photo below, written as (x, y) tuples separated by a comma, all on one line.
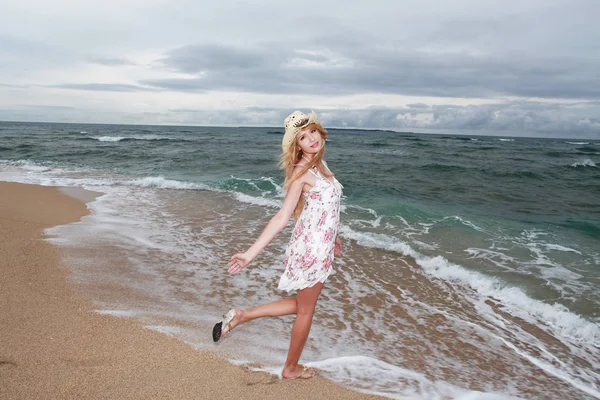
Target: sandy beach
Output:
[(54, 346)]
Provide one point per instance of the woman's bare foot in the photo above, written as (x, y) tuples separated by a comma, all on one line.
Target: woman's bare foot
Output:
[(234, 322), (299, 372)]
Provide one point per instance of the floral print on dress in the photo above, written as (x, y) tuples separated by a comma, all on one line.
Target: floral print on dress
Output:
[(309, 255)]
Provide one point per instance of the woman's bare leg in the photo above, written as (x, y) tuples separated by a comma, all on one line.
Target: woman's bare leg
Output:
[(306, 303), (274, 309)]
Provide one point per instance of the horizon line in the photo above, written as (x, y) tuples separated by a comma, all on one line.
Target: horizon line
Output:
[(505, 134)]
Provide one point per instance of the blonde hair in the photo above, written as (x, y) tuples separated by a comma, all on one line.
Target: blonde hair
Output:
[(293, 156)]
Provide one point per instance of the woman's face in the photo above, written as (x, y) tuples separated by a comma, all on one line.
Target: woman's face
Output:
[(310, 140)]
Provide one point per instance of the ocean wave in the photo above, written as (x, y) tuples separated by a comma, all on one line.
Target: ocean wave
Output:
[(135, 137), (259, 201), (158, 182), (375, 222), (162, 183), (465, 222), (558, 247), (585, 163), (265, 185), (506, 140), (27, 165), (561, 321), (579, 143), (109, 138)]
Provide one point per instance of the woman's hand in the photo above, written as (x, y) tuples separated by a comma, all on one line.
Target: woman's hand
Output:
[(337, 248), (238, 262)]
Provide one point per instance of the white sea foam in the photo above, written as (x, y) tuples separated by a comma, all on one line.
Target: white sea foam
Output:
[(584, 163), (498, 258), (134, 137), (375, 223), (26, 165), (506, 140), (557, 317), (109, 138), (391, 380), (162, 183), (558, 247), (158, 182), (279, 192), (533, 234), (466, 222), (260, 201), (118, 313), (579, 143), (173, 331), (278, 188), (365, 209), (551, 369)]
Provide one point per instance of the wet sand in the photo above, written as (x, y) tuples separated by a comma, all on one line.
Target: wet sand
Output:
[(53, 346)]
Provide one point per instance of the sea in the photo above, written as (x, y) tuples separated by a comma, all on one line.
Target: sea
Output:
[(470, 265)]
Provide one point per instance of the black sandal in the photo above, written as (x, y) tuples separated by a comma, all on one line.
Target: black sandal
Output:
[(224, 324)]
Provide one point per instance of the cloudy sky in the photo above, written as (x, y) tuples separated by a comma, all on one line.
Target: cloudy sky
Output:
[(521, 67)]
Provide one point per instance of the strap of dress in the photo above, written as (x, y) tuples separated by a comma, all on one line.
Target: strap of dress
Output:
[(310, 169)]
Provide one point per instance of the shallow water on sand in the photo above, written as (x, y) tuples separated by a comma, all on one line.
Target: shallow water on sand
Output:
[(383, 324)]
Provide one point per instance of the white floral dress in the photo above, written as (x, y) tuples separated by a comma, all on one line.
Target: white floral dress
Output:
[(309, 254)]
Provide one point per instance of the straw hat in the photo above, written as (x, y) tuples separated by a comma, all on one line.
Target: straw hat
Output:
[(293, 124)]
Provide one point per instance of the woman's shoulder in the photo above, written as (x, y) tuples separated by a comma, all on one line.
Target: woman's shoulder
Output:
[(306, 177), (297, 172)]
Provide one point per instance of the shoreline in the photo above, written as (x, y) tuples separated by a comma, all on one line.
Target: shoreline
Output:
[(56, 346)]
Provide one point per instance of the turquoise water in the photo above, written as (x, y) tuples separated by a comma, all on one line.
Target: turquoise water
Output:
[(512, 220)]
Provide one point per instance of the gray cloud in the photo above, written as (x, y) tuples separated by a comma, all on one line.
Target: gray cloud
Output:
[(22, 55), (535, 118), (111, 61), (104, 87), (351, 66), (6, 85), (47, 107), (210, 57)]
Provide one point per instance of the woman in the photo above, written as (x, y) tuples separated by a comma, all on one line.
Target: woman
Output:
[(313, 198)]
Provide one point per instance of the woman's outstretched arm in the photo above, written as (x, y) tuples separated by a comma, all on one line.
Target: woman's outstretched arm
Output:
[(276, 224)]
